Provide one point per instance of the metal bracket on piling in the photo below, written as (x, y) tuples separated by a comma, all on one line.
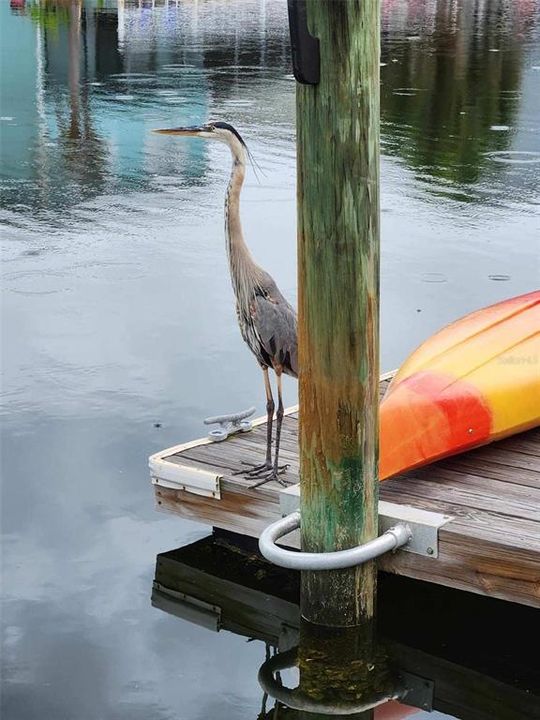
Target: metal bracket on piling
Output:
[(424, 524), (392, 539), (305, 47)]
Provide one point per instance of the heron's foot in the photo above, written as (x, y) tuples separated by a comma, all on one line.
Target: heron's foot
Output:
[(269, 476), (262, 469), (254, 468)]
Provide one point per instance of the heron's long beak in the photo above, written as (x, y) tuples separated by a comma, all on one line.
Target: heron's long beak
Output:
[(191, 130)]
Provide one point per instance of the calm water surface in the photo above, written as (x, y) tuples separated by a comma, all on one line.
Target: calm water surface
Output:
[(118, 328)]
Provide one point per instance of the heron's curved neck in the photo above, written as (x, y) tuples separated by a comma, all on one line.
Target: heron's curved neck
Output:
[(244, 271)]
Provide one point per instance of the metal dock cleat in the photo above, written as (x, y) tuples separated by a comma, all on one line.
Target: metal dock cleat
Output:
[(229, 424)]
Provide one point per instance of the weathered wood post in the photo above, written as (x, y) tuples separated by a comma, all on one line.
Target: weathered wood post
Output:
[(338, 267)]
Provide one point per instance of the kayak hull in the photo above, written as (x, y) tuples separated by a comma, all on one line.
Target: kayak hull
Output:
[(475, 381)]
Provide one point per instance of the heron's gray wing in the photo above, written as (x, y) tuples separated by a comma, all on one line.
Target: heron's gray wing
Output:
[(275, 323)]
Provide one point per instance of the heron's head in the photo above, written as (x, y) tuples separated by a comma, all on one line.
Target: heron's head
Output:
[(221, 131)]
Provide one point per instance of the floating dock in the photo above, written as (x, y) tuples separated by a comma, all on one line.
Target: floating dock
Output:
[(489, 542), (465, 669)]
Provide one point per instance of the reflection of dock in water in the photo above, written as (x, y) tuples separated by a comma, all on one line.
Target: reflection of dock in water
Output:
[(469, 651), (491, 546)]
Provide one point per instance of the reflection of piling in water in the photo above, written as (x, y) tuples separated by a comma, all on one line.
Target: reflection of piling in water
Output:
[(343, 667), (74, 47)]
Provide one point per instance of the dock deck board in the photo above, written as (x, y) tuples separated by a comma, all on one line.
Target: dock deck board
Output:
[(492, 545)]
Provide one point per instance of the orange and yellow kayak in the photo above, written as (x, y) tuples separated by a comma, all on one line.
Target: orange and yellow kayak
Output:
[(475, 381)]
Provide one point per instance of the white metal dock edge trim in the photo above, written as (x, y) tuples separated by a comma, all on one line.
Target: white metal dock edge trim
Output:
[(182, 477)]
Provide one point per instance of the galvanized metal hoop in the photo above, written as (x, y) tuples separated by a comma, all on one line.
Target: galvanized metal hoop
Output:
[(395, 537)]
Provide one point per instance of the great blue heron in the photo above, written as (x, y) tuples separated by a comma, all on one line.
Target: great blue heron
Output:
[(267, 321)]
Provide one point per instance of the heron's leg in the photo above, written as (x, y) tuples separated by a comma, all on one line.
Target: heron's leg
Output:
[(279, 421), (270, 407), (275, 471)]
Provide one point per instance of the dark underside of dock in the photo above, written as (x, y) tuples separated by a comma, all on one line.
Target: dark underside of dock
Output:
[(490, 546)]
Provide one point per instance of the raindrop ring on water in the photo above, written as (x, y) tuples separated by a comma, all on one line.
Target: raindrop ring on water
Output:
[(515, 157), (434, 277)]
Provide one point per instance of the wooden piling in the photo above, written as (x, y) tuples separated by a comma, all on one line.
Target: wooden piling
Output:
[(338, 268)]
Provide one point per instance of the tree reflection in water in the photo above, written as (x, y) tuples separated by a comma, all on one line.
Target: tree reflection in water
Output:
[(451, 85)]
